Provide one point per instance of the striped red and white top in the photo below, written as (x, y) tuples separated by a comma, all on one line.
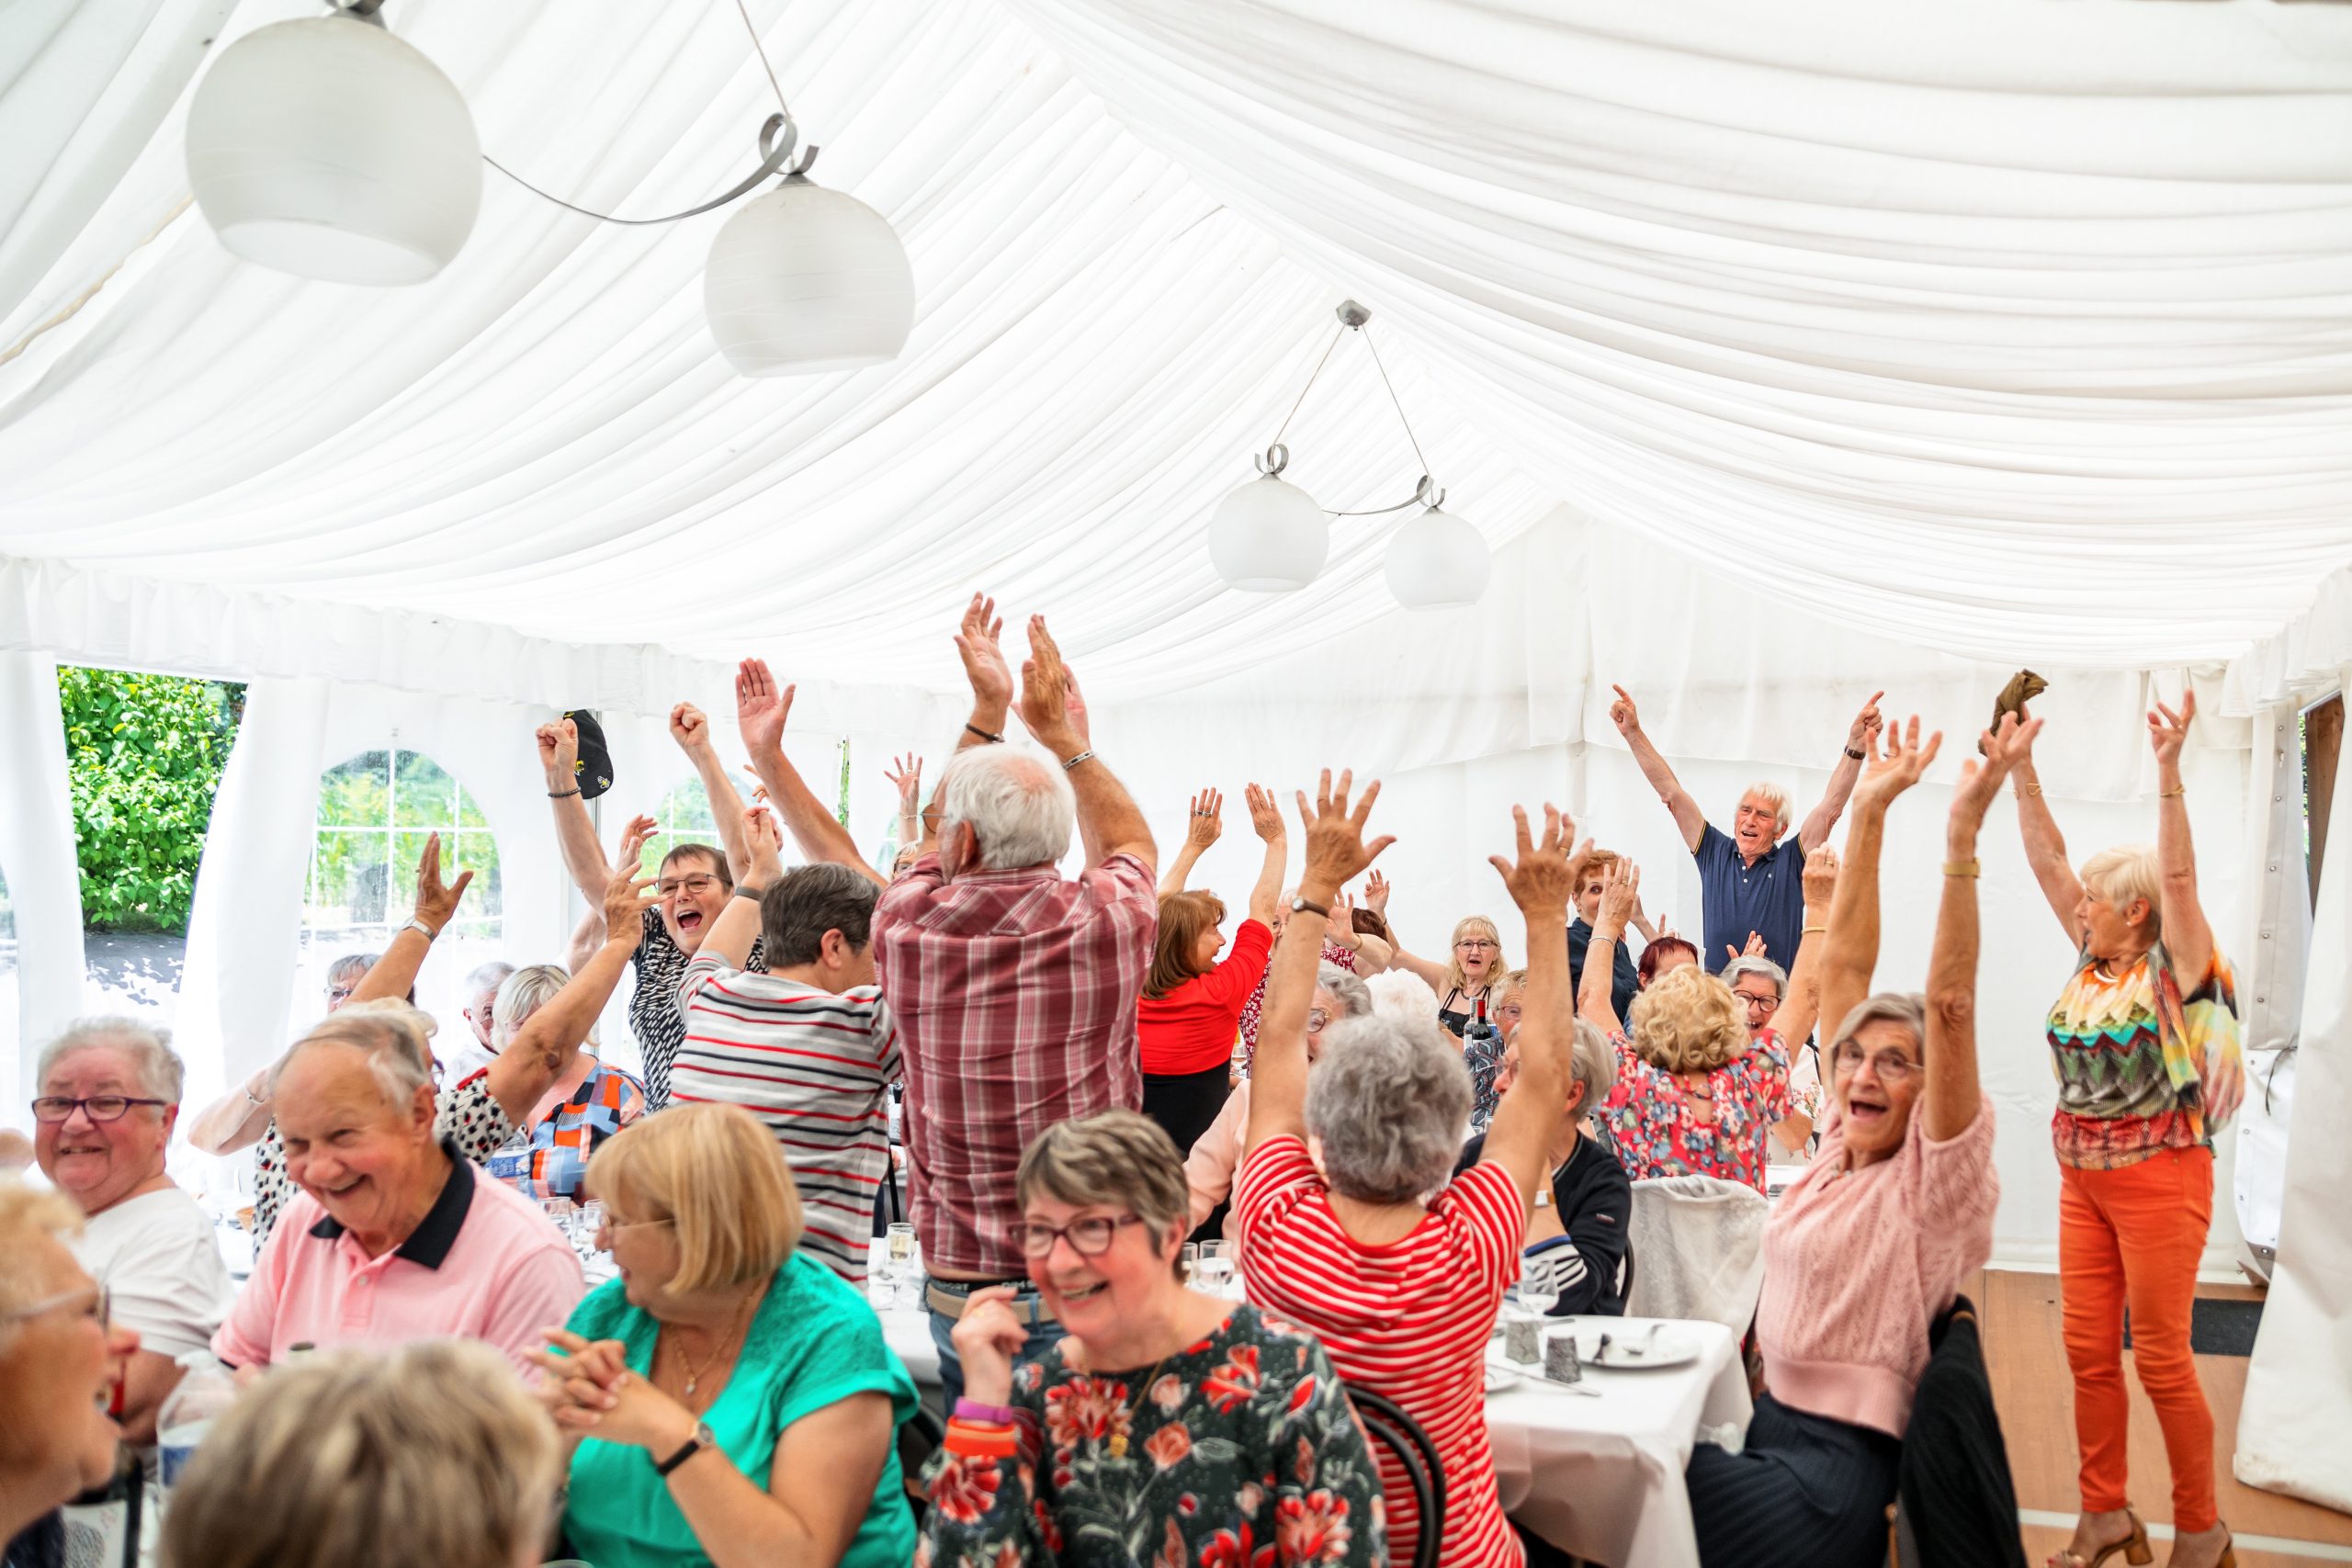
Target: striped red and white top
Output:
[(816, 1068), (1409, 1319)]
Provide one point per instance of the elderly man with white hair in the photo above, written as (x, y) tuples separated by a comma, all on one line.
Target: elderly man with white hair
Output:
[(110, 1097), (394, 1234), (1014, 990), (1750, 879)]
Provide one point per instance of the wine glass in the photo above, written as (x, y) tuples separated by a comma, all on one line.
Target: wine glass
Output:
[(1536, 1291)]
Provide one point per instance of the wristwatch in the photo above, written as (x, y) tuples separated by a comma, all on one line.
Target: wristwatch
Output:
[(423, 930), (1854, 754), (702, 1439), (1301, 906)]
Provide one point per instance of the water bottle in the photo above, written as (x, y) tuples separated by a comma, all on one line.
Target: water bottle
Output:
[(203, 1395)]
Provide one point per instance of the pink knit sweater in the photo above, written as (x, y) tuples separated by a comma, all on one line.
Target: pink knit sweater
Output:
[(1856, 1263)]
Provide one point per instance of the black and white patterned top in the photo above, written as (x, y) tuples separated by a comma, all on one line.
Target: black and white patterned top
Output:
[(653, 1012), (469, 1117)]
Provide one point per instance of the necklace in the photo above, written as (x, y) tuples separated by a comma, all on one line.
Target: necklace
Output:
[(694, 1373), (1143, 1392)]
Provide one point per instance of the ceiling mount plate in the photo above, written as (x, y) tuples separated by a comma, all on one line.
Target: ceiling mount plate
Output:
[(1351, 314)]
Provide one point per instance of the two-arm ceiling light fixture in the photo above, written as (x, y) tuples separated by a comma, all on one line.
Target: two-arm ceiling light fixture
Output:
[(1270, 537), (327, 147)]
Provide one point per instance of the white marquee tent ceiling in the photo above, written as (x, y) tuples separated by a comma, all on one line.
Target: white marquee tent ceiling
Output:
[(2016, 329)]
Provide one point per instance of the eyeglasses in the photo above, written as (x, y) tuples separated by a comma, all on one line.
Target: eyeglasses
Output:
[(96, 1107), (697, 885), (1753, 1001), (1088, 1237), (608, 1226), (1892, 1066), (1316, 1019), (101, 1309), (1508, 1009), (1472, 943)]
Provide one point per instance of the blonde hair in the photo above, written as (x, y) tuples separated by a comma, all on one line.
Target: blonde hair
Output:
[(1472, 925), (1776, 797), (1687, 1020), (26, 1212), (1117, 1158), (2125, 873), (718, 1177), (429, 1452)]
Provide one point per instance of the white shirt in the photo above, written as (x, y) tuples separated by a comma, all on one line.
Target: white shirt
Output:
[(161, 1264)]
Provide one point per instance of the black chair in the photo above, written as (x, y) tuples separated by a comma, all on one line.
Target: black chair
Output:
[(919, 1439), (1386, 1421)]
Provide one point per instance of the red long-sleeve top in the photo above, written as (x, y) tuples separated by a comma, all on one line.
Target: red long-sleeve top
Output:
[(1191, 1029)]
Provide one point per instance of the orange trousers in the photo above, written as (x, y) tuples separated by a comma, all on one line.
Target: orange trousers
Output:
[(2134, 1238)]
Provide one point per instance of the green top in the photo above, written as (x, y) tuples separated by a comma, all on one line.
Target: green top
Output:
[(814, 1342)]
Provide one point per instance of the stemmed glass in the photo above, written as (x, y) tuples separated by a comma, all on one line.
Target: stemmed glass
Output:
[(1536, 1292)]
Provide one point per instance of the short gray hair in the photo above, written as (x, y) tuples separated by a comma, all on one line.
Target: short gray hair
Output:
[(352, 966), (1764, 966), (395, 1037), (1350, 991), (1389, 1102), (1776, 797), (520, 995), (1112, 1157), (1021, 808), (1594, 1065), (1908, 1008), (160, 1071), (486, 978)]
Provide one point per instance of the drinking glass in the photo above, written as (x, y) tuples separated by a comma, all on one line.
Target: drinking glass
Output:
[(1217, 1267), (899, 1252), (1537, 1294), (1191, 1258)]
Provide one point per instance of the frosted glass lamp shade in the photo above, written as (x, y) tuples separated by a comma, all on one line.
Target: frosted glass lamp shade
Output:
[(327, 147), (1268, 536), (807, 279), (1436, 560)]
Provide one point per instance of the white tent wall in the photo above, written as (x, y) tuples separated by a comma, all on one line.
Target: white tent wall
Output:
[(36, 858)]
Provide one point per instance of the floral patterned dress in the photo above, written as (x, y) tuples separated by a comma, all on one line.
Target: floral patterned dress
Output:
[(1650, 1119), (1242, 1453)]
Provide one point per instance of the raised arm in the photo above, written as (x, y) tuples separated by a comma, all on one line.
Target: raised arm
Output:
[(1540, 883), (1108, 818), (1950, 1099), (906, 777), (1849, 948), (1859, 735), (1621, 895), (575, 832), (738, 926), (2045, 847), (1655, 768), (760, 709), (1334, 852), (691, 731), (1801, 1009), (1373, 955), (1376, 893), (2189, 938), (394, 975), (1266, 817), (521, 1074), (984, 667), (1202, 829)]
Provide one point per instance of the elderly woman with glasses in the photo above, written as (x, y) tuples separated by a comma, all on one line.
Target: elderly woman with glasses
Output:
[(59, 1360), (1867, 1248), (1208, 1169), (1466, 981), (729, 1398), (1170, 1426), (1356, 1227)]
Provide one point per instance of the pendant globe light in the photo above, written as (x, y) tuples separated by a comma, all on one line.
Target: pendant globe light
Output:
[(807, 279), (329, 149), (1270, 537)]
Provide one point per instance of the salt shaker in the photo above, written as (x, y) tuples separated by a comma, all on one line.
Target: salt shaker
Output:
[(1523, 1339), (1560, 1363)]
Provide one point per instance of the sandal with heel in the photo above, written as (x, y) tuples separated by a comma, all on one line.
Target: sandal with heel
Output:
[(2135, 1547)]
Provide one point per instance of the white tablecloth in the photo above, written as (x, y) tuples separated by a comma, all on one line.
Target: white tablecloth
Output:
[(1602, 1478)]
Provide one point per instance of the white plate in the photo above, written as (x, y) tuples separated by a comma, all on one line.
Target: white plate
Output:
[(1632, 1348)]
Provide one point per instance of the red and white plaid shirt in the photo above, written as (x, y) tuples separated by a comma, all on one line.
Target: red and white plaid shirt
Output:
[(1016, 994)]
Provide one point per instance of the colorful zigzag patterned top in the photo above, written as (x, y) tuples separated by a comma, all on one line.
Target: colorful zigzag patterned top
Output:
[(2141, 1067)]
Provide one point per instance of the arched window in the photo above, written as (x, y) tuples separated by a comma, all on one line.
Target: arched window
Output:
[(374, 813), (683, 817)]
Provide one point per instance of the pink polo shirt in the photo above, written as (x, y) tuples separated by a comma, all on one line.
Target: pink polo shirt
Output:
[(485, 1264)]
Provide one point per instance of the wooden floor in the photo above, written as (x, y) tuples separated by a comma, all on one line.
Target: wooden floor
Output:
[(2026, 1354)]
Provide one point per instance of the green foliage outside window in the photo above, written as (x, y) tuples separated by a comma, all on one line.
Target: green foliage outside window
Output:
[(144, 754), (375, 812)]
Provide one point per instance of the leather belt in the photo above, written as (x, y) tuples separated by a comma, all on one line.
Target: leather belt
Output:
[(949, 1297)]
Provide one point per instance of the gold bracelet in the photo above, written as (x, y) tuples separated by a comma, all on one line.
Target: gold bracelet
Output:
[(1810, 930), (1961, 867), (2172, 793), (2025, 789)]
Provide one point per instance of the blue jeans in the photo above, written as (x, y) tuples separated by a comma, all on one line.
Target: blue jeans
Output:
[(951, 1366)]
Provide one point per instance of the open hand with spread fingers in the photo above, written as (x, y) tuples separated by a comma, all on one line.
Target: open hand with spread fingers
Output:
[(1336, 850)]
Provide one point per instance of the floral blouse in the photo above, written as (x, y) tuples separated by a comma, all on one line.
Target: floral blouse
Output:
[(469, 1117), (1650, 1119), (1243, 1453)]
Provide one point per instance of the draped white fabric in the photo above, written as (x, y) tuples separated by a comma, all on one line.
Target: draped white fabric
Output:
[(2019, 331)]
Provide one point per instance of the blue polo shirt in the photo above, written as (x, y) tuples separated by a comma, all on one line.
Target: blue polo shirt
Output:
[(1736, 898)]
